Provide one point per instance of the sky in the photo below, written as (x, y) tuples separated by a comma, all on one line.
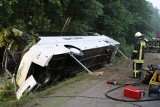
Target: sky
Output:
[(156, 3)]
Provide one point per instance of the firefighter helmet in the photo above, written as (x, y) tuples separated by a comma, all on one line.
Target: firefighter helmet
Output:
[(138, 34)]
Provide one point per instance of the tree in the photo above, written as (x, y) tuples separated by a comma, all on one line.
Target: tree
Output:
[(141, 14), (155, 18), (83, 14), (115, 20), (6, 12)]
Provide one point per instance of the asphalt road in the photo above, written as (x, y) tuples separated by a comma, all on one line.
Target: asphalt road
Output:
[(90, 92)]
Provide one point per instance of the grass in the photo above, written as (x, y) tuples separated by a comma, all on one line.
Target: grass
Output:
[(45, 91)]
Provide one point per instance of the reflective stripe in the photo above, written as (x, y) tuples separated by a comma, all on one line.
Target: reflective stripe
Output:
[(135, 70), (138, 61), (135, 51), (140, 53)]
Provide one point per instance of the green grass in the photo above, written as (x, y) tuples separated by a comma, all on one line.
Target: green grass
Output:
[(14, 102)]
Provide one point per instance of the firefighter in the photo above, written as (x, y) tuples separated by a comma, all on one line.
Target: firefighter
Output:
[(138, 55)]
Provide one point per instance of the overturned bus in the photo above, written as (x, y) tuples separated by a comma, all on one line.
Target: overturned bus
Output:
[(52, 58)]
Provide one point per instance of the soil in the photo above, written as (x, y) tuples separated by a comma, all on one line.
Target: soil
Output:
[(66, 96)]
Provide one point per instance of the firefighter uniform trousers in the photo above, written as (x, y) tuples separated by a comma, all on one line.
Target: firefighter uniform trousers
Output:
[(137, 69), (138, 57)]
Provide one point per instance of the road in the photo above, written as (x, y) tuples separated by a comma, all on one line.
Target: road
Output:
[(90, 92)]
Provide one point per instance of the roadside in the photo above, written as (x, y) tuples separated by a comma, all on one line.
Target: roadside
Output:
[(92, 89)]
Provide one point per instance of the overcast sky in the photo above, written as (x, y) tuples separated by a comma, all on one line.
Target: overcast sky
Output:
[(156, 3)]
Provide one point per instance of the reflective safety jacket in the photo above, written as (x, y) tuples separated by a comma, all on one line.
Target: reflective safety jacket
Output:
[(138, 52)]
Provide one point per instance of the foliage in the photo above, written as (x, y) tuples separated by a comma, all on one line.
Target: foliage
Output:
[(155, 17), (83, 14), (141, 17), (80, 27), (125, 48), (3, 37), (11, 36), (7, 91), (118, 18), (6, 12), (115, 20)]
